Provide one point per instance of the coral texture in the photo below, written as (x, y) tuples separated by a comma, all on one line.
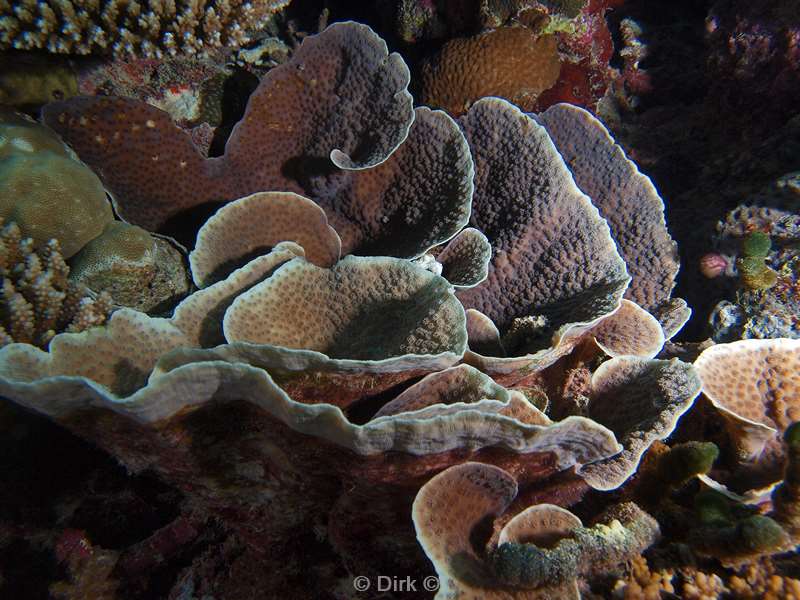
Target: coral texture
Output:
[(644, 417), (132, 266), (38, 300), (449, 508), (755, 384), (298, 391), (626, 198), (538, 223), (126, 27), (46, 191), (509, 62)]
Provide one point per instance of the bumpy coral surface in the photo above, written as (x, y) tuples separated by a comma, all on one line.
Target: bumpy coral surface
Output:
[(46, 191), (127, 27), (540, 552), (510, 62), (298, 394)]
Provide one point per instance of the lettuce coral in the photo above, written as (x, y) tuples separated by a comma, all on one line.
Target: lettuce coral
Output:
[(296, 385)]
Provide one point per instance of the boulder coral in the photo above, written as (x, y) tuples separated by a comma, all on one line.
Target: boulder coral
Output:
[(46, 190), (510, 62)]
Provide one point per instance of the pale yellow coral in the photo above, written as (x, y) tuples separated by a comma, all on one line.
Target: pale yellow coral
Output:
[(148, 28), (36, 299)]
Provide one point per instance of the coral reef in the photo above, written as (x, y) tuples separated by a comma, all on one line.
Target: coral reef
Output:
[(758, 242), (38, 301), (398, 314), (125, 27)]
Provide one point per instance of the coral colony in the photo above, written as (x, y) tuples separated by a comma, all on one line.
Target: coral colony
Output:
[(412, 350)]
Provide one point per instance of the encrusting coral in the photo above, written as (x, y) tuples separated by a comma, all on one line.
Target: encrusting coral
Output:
[(38, 301), (149, 28)]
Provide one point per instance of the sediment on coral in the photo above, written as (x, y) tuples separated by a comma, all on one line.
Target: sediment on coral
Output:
[(128, 28), (38, 300)]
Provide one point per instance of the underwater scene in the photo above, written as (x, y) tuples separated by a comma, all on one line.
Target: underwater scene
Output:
[(399, 299)]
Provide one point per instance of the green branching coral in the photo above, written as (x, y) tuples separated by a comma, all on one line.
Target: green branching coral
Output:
[(621, 533), (37, 300)]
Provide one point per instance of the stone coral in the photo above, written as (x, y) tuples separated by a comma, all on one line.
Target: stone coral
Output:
[(38, 300), (656, 394), (379, 169), (510, 62), (132, 266), (626, 198), (46, 191), (124, 27)]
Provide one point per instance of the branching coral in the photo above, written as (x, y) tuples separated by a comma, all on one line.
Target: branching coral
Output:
[(38, 300), (125, 27)]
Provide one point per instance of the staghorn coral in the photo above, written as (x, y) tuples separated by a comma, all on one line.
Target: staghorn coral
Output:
[(38, 300), (509, 62), (46, 191), (124, 27)]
